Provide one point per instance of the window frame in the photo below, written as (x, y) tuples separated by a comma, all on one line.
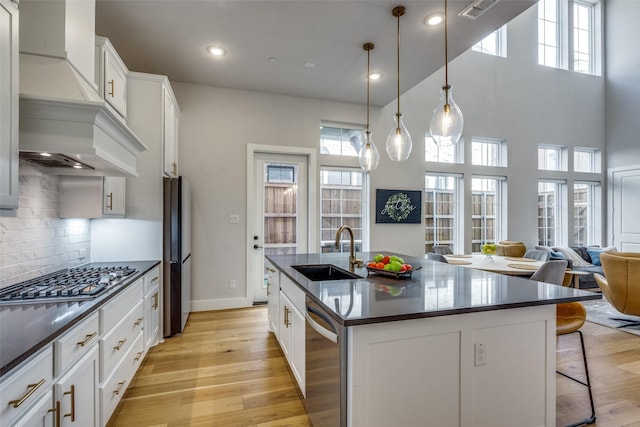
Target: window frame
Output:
[(591, 68), (499, 45), (562, 157), (344, 128), (595, 160), (594, 213), (501, 151), (457, 218), (457, 151), (499, 210), (560, 218)]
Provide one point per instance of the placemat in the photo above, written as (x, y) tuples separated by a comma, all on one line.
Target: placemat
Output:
[(459, 262), (523, 266), (521, 259), (459, 256)]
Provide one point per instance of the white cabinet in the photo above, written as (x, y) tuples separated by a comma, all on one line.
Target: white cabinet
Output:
[(151, 308), (291, 334), (77, 392), (92, 196), (273, 296), (111, 76), (8, 105), (170, 134), (42, 414)]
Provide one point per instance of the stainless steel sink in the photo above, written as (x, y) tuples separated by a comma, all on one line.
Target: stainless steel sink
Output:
[(319, 272)]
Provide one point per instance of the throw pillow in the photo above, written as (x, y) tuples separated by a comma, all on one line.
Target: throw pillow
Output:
[(595, 256), (556, 255), (583, 252), (577, 260)]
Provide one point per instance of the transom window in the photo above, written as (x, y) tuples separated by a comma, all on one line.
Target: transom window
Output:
[(586, 160), (583, 37), (549, 33), (488, 152), (441, 154), (340, 141), (552, 157), (493, 44), (440, 211)]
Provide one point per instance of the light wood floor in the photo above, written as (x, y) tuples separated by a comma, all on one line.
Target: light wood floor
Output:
[(227, 370)]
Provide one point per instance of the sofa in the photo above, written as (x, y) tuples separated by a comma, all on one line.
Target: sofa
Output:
[(580, 258)]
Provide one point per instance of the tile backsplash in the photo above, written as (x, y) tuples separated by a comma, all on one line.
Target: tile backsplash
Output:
[(35, 241)]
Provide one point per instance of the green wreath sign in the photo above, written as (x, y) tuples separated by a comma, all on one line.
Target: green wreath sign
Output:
[(398, 207)]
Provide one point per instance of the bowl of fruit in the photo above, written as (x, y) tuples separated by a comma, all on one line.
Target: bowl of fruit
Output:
[(389, 265)]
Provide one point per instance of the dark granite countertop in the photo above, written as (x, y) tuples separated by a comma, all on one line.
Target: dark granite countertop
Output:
[(436, 289), (26, 328)]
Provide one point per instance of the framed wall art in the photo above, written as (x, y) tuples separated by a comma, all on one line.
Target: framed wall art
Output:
[(398, 206)]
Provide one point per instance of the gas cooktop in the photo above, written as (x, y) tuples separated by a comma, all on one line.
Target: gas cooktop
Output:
[(66, 285)]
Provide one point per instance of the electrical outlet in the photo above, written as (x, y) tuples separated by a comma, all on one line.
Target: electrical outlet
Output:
[(232, 284), (480, 354), (82, 253)]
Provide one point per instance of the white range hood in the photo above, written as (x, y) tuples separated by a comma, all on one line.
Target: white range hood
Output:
[(61, 112)]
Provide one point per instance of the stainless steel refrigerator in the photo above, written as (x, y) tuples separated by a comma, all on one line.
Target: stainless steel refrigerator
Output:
[(176, 254)]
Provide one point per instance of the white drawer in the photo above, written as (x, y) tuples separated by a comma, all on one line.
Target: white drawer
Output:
[(26, 385), (115, 344), (151, 279), (112, 390), (71, 346), (294, 293), (115, 309)]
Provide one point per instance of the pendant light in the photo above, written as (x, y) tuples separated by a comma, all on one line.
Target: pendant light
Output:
[(447, 121), (398, 141), (369, 156)]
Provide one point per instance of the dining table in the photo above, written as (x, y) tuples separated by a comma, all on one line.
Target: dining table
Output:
[(515, 266)]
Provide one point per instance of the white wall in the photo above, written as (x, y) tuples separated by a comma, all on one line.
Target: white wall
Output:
[(35, 241), (622, 83)]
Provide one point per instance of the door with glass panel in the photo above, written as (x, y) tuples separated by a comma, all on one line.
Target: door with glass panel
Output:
[(280, 223)]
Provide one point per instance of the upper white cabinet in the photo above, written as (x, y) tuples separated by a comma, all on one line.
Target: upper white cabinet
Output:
[(8, 105), (152, 113), (92, 197), (111, 76)]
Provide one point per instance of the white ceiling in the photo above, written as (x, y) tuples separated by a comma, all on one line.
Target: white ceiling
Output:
[(170, 37)]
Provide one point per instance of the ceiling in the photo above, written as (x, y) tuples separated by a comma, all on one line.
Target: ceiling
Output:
[(171, 37)]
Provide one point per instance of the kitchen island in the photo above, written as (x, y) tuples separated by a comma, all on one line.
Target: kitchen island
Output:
[(447, 347)]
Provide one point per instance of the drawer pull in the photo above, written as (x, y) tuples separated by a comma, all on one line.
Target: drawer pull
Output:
[(110, 202), (155, 301), (287, 322), (268, 288), (120, 344), (72, 392), (137, 356), (112, 83), (119, 388), (87, 338), (32, 389), (56, 411), (270, 270), (155, 279), (137, 322)]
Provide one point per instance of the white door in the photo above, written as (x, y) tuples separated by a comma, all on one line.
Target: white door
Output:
[(280, 221), (625, 205)]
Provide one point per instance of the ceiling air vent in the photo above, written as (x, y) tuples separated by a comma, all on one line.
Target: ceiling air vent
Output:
[(477, 8)]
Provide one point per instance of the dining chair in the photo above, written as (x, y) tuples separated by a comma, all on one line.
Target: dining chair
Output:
[(442, 250), (570, 317), (436, 257), (537, 254)]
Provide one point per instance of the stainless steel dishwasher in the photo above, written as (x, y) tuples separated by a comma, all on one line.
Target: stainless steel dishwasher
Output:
[(326, 363)]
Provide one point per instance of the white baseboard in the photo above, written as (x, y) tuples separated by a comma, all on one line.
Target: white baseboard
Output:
[(220, 304)]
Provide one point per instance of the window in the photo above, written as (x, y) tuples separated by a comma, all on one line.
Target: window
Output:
[(586, 160), (494, 44), (552, 158), (486, 207), (549, 33), (440, 211), (583, 37), (488, 152), (342, 203), (441, 154), (340, 141), (280, 173), (586, 213), (550, 212)]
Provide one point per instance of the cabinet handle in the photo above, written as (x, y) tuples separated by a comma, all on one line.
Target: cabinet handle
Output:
[(137, 356), (269, 269), (268, 288), (138, 321), (287, 322), (32, 389), (119, 388), (120, 344), (110, 203), (155, 301), (87, 338), (155, 279), (174, 168), (56, 411), (72, 392), (112, 83)]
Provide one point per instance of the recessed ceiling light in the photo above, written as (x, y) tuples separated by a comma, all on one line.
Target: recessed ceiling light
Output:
[(45, 154), (435, 19), (375, 76), (309, 65), (77, 166), (217, 50), (273, 59)]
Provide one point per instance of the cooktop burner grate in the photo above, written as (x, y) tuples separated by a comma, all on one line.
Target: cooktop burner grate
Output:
[(69, 284)]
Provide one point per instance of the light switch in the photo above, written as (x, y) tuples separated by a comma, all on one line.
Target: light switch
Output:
[(234, 219)]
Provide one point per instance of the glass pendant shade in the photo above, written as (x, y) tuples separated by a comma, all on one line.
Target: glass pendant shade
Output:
[(399, 141), (369, 156), (447, 121)]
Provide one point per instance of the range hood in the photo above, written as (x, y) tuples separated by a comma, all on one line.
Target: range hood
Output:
[(60, 113)]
